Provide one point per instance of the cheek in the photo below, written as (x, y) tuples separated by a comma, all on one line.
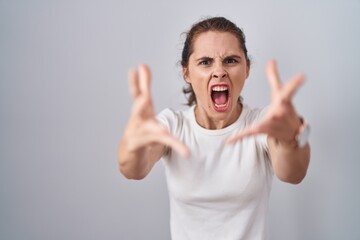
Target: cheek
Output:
[(199, 81), (241, 77), (199, 89), (241, 73), (199, 76)]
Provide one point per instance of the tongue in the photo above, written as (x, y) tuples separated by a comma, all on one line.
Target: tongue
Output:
[(219, 97)]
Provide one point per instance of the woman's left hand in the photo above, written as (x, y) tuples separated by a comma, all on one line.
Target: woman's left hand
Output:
[(281, 122)]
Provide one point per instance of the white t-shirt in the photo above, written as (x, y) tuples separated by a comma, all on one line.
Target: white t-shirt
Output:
[(222, 191)]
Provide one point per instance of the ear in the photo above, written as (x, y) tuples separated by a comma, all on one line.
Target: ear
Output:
[(247, 71), (185, 72)]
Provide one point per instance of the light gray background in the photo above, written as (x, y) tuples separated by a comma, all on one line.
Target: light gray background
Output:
[(64, 103)]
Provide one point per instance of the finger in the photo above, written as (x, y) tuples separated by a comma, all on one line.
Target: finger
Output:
[(168, 140), (156, 133), (293, 85), (143, 106), (161, 135), (144, 79), (246, 133), (133, 78), (273, 75)]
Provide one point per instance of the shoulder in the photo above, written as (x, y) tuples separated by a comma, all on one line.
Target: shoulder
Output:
[(169, 114), (253, 115), (173, 119)]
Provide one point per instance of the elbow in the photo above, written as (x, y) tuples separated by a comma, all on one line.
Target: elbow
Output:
[(131, 175), (293, 181), (293, 178)]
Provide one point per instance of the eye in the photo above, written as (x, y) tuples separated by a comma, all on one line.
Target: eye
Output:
[(204, 62), (231, 60)]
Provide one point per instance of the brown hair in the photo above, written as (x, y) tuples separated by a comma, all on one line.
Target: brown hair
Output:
[(219, 24)]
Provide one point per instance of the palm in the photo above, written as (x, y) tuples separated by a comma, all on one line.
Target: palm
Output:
[(281, 121), (143, 125)]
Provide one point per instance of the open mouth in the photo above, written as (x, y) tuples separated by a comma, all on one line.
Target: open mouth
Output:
[(220, 97)]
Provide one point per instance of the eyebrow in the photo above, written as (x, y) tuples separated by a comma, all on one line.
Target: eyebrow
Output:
[(209, 58), (233, 56), (204, 58)]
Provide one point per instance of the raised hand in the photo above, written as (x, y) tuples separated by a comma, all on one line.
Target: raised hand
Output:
[(143, 129), (281, 120)]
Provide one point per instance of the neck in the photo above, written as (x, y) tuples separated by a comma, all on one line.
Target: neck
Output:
[(205, 120)]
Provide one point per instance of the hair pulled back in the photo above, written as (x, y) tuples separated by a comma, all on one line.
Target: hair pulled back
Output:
[(219, 24)]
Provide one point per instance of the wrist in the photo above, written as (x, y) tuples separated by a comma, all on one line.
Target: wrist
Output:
[(291, 144), (303, 134), (300, 139)]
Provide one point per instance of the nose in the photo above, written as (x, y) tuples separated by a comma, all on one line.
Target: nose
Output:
[(219, 72)]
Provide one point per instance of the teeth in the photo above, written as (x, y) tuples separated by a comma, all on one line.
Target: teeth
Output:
[(219, 88), (220, 105)]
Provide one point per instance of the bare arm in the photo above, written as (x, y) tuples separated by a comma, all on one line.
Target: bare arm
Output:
[(290, 162), (137, 164), (144, 140), (281, 124)]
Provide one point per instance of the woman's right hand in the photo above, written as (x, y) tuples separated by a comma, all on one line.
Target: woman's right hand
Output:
[(145, 139)]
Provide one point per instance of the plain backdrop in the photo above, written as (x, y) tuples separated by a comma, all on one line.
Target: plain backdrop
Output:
[(64, 103)]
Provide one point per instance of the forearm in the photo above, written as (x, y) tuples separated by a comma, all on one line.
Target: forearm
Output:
[(290, 163), (136, 163), (132, 164)]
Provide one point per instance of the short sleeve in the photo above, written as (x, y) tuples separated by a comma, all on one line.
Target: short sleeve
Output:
[(169, 119), (262, 138)]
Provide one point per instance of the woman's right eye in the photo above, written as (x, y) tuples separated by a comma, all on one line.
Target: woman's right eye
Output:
[(204, 62)]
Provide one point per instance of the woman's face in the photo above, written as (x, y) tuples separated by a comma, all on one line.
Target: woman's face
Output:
[(217, 71)]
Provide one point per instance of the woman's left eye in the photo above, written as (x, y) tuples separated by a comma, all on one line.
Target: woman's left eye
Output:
[(230, 60)]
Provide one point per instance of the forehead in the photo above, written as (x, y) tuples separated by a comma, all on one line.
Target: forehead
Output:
[(213, 43)]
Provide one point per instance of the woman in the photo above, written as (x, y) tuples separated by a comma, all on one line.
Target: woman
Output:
[(219, 154)]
